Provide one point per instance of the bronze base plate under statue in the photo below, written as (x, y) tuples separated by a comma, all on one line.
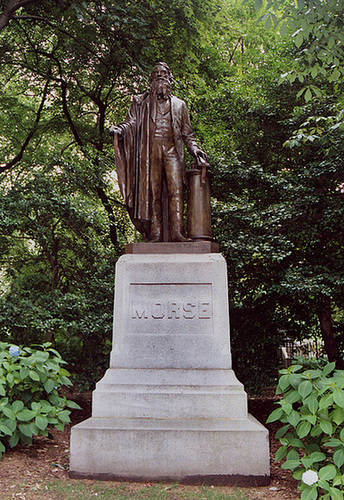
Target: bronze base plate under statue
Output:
[(170, 248)]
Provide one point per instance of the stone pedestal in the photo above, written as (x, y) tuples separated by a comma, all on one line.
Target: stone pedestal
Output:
[(170, 406)]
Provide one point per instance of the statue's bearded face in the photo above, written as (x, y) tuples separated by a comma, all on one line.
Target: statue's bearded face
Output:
[(161, 82)]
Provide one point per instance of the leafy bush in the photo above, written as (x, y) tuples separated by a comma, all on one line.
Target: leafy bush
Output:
[(310, 363), (30, 404), (312, 409)]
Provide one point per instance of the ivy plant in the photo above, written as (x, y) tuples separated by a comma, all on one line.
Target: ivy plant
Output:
[(30, 403), (312, 437)]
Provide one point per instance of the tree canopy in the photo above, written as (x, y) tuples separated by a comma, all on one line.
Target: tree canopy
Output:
[(266, 102)]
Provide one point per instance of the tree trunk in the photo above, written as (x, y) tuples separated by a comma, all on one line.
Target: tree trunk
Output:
[(331, 344)]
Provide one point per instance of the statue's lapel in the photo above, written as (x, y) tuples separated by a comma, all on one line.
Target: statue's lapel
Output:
[(152, 109), (173, 108)]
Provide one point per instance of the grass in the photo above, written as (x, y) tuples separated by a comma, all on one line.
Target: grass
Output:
[(87, 490)]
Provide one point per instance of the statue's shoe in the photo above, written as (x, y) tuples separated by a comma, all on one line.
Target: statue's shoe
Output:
[(155, 238), (178, 237)]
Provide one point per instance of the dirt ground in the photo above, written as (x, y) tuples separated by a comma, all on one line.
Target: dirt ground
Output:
[(26, 469)]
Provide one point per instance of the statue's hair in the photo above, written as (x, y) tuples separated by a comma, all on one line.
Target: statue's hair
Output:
[(166, 66)]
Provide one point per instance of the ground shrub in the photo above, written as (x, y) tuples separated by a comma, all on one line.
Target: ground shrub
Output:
[(312, 437), (30, 402)]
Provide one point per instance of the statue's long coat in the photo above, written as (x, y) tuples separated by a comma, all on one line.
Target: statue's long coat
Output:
[(133, 152)]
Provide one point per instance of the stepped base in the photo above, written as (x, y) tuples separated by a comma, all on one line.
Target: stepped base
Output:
[(170, 407), (185, 450)]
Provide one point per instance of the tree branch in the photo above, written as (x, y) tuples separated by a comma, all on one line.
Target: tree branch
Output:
[(10, 9), (106, 204), (55, 26), (66, 112), (32, 132)]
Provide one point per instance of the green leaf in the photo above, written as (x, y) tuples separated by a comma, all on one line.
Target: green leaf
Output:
[(293, 455), (316, 431), (317, 456), (280, 431), (49, 385), (281, 453), (338, 480), (41, 422), (34, 376), (310, 493), (42, 357), (291, 464), (312, 448), (312, 419), (314, 72), (17, 406), (326, 427), (294, 418), (283, 382), (268, 23), (9, 413), (295, 380), (283, 29), (64, 416), (322, 483), (297, 474), (73, 405), (292, 397), (336, 494), (296, 443), (326, 401), (342, 434), (275, 415), (287, 407), (303, 429), (328, 472), (305, 388), (338, 396), (26, 429), (329, 368), (25, 415), (5, 430), (333, 443), (14, 439), (300, 4), (338, 458), (24, 438), (307, 462), (24, 372), (11, 424), (308, 95), (34, 428), (298, 39)]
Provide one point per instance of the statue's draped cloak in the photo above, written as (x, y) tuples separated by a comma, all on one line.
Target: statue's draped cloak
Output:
[(132, 152), (132, 163)]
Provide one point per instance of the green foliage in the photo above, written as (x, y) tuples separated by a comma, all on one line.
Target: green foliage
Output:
[(312, 437), (316, 28), (30, 404), (57, 267)]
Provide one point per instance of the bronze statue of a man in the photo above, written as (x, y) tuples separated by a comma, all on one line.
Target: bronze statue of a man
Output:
[(149, 150)]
